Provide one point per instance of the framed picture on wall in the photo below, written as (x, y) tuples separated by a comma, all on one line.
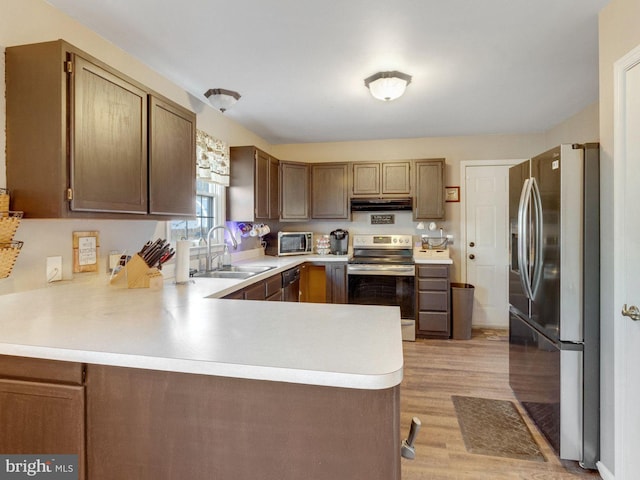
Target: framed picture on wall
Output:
[(452, 194), (85, 251)]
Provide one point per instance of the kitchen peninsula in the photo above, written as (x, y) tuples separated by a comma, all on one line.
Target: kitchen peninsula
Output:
[(173, 384)]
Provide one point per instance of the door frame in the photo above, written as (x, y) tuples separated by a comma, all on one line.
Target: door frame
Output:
[(620, 69), (463, 202)]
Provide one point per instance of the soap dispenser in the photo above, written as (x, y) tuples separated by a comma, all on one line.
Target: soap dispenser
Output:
[(226, 257)]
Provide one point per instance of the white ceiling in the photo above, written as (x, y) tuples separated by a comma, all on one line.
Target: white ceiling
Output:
[(478, 66)]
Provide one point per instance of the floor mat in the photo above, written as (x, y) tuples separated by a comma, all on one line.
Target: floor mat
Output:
[(495, 427)]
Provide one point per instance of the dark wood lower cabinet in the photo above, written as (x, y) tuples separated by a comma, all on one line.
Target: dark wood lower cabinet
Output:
[(268, 289), (433, 317), (126, 423), (162, 425), (323, 282), (337, 281), (38, 415)]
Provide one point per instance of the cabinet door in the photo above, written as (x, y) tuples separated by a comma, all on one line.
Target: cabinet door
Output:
[(274, 188), (366, 179), (261, 185), (294, 192), (237, 295), (42, 418), (172, 160), (429, 189), (108, 128), (313, 283), (267, 201), (337, 279), (255, 292), (396, 178), (276, 297), (330, 191)]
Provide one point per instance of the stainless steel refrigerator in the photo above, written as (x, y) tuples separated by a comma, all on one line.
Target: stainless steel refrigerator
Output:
[(554, 296)]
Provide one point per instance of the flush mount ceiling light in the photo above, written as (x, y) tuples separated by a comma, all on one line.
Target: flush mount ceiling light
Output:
[(222, 99), (387, 86)]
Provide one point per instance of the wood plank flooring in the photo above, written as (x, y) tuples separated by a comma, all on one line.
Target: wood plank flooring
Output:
[(436, 369)]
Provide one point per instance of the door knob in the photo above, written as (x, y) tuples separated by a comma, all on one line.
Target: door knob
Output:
[(472, 256), (471, 244), (632, 312)]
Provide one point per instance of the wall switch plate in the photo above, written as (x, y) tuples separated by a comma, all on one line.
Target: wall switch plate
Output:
[(54, 269)]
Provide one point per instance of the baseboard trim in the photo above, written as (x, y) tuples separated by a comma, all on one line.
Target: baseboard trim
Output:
[(604, 472)]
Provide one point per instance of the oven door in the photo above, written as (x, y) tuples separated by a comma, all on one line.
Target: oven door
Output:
[(383, 285)]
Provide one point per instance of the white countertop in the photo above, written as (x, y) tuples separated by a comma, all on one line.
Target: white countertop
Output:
[(177, 328)]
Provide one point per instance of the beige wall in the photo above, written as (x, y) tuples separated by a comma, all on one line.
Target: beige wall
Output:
[(619, 34), (583, 127)]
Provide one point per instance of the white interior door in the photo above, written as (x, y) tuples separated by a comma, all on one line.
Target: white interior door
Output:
[(486, 252), (627, 265)]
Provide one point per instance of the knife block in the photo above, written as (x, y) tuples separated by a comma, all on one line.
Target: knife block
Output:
[(139, 275)]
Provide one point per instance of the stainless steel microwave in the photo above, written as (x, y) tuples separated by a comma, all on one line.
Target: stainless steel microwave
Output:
[(295, 243)]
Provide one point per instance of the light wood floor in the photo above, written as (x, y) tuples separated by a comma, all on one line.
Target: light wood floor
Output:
[(436, 369)]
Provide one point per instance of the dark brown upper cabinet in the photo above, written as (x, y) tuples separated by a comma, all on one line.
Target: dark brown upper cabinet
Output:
[(294, 191), (381, 179), (330, 191), (172, 169), (253, 192), (429, 196), (79, 142), (108, 130)]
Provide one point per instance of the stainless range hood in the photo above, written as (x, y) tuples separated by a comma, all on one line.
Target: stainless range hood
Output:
[(381, 204)]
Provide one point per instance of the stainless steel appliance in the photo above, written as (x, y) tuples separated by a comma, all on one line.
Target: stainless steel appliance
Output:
[(339, 242), (295, 243), (554, 311), (291, 285), (381, 271)]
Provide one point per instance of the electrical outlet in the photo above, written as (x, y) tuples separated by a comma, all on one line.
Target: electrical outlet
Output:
[(54, 269), (450, 239), (114, 259)]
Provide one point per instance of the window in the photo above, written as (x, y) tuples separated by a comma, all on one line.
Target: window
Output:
[(210, 206)]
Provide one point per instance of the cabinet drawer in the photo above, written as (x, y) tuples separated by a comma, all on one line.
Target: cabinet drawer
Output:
[(237, 295), (433, 301), (433, 322), (36, 369), (433, 271), (273, 285), (255, 292), (433, 284)]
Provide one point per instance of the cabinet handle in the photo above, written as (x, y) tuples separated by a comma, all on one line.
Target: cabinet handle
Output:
[(471, 244), (472, 256)]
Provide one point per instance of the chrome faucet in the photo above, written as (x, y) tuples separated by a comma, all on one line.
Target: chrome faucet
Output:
[(209, 256)]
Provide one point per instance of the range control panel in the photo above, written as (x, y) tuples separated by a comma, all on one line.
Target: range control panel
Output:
[(382, 241)]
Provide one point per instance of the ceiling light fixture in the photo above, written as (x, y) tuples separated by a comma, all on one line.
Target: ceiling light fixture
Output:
[(222, 99), (387, 86)]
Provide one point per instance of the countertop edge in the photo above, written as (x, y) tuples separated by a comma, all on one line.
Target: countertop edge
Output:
[(250, 372)]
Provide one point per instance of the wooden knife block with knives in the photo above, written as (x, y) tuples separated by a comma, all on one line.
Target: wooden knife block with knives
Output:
[(138, 274), (143, 269)]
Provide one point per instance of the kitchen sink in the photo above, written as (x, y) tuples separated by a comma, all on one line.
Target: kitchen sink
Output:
[(234, 271)]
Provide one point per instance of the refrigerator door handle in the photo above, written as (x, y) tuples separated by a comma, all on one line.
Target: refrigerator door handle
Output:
[(538, 238), (523, 235)]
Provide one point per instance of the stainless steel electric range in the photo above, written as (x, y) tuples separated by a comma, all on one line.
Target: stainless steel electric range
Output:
[(381, 271)]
